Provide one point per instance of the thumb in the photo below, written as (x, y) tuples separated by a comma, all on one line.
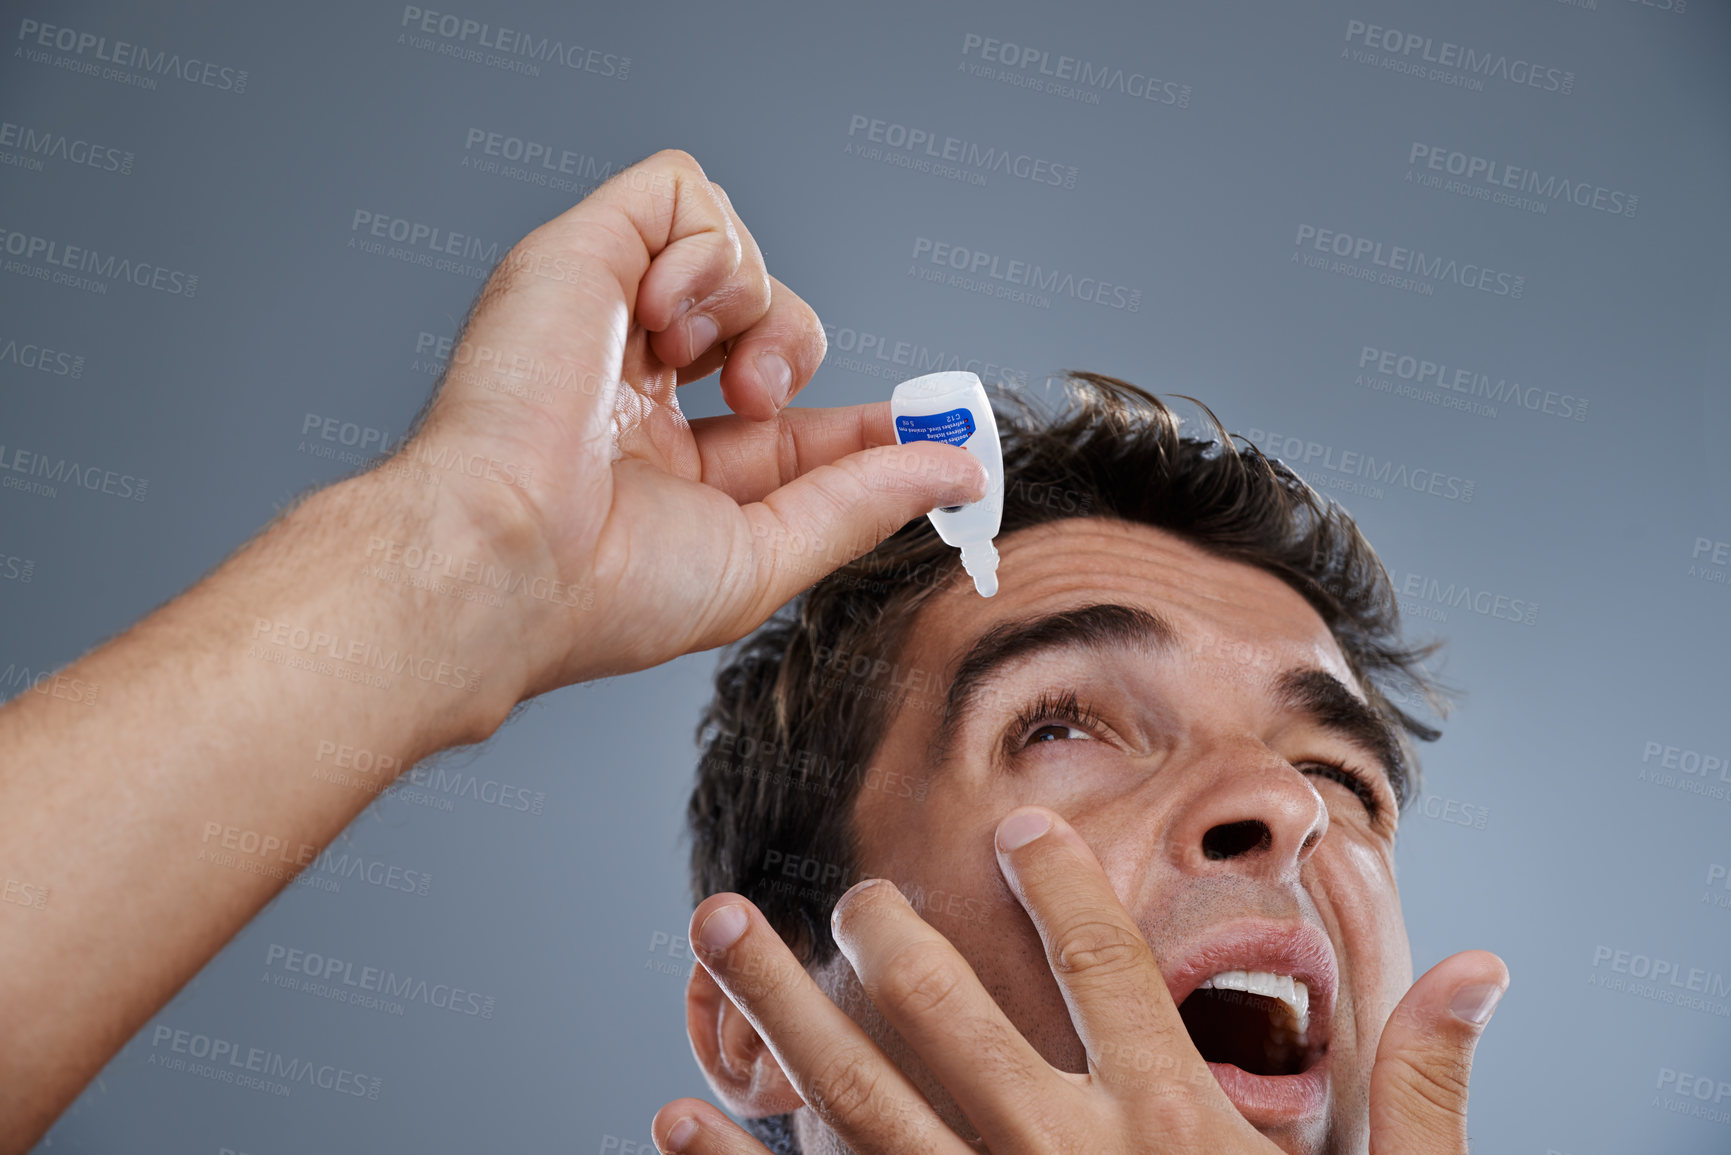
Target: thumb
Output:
[(831, 515), (1418, 1088)]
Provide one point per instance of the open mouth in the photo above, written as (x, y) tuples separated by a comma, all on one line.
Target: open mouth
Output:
[(1257, 1021), (1258, 1000)]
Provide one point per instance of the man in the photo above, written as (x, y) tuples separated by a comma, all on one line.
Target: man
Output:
[(1188, 664), (163, 812)]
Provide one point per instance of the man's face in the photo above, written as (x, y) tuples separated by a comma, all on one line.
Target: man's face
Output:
[(1193, 740)]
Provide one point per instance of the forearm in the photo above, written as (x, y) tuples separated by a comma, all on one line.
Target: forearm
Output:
[(171, 787), (584, 527)]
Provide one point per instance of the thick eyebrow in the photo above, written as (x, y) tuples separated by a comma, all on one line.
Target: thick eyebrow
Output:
[(1095, 627), (1311, 692), (1321, 697)]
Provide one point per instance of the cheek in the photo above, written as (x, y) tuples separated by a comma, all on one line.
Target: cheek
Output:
[(938, 850), (973, 907), (935, 831), (940, 855), (1376, 958)]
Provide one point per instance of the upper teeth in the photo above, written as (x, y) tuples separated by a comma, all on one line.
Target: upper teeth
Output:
[(1287, 989)]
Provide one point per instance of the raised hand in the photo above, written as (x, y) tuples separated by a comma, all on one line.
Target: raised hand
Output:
[(577, 463), (1147, 1088)]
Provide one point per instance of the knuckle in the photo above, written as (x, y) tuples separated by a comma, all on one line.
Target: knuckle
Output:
[(921, 980), (755, 976), (786, 452), (1098, 947), (783, 981), (844, 483), (813, 326), (574, 257), (847, 486), (1432, 1087), (677, 158), (846, 1086), (754, 286), (1040, 1131), (1181, 1115)]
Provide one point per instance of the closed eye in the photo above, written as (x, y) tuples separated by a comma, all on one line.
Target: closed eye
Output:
[(1350, 779)]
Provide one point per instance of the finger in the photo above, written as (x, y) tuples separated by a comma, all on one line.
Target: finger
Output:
[(772, 355), (1118, 999), (652, 235), (734, 300), (774, 340), (704, 365), (832, 514), (788, 334), (709, 261), (933, 999), (775, 355), (1418, 1087), (693, 1127), (748, 460), (834, 1065)]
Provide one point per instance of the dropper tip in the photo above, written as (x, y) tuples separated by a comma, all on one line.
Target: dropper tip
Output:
[(980, 559)]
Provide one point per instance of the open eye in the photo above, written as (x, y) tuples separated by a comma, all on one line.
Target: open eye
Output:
[(1052, 718), (1055, 732)]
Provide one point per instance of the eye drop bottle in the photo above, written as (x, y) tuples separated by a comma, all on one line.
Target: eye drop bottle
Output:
[(953, 407)]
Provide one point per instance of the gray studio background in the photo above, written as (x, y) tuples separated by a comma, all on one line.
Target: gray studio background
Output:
[(1578, 805)]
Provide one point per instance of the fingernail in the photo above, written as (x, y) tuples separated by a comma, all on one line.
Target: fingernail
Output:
[(843, 905), (867, 884), (723, 927), (681, 309), (1475, 1002), (703, 331), (1018, 830), (776, 375), (968, 486), (682, 1130)]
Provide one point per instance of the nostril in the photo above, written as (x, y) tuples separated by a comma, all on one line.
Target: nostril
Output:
[(1231, 839)]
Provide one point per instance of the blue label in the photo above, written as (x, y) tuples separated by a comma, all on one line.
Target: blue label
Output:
[(955, 427)]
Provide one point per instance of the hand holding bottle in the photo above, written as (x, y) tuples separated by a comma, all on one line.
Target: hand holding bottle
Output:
[(686, 532)]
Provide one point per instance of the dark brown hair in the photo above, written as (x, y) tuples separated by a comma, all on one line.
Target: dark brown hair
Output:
[(800, 704)]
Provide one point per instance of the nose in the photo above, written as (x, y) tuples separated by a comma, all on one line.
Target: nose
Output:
[(1250, 811)]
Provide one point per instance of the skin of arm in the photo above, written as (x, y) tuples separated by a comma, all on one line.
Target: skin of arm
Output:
[(167, 801), (195, 741)]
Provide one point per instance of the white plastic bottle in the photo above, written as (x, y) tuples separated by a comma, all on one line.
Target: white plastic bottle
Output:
[(953, 407)]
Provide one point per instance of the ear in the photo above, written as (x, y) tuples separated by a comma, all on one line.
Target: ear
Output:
[(738, 1064)]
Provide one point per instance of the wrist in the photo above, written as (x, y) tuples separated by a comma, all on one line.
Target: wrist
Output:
[(513, 541), (415, 594)]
